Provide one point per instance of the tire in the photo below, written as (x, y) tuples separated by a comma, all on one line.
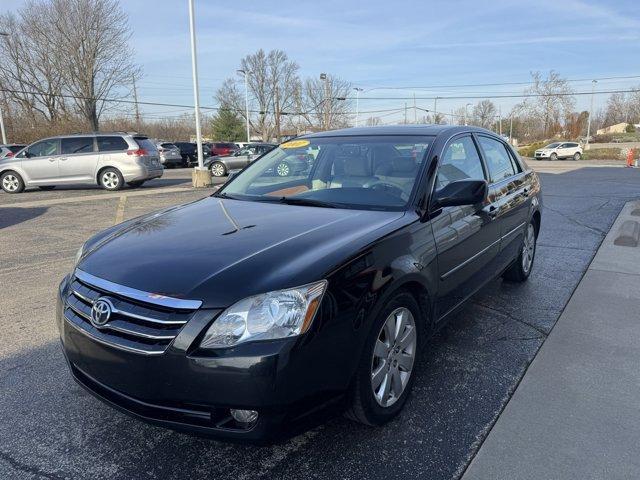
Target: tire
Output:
[(283, 169), (110, 179), (553, 157), (11, 182), (136, 184), (47, 187), (577, 156), (369, 404), (218, 169), (520, 270)]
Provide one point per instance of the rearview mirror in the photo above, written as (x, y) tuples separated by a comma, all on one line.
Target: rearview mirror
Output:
[(461, 192)]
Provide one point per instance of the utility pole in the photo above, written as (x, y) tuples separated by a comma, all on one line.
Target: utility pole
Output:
[(500, 120), (4, 133), (277, 113), (593, 87), (246, 99), (466, 113), (135, 100), (201, 175), (358, 90), (323, 76)]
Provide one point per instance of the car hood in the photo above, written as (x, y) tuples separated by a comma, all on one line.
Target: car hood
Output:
[(219, 250)]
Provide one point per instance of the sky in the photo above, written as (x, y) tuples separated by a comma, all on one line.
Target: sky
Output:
[(426, 46)]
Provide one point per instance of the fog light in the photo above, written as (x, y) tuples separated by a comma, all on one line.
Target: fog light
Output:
[(244, 416)]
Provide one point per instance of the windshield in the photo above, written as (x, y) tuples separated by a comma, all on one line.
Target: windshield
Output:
[(377, 172), (552, 145)]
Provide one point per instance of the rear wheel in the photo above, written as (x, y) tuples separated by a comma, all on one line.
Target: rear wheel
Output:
[(111, 179), (577, 156), (218, 169), (11, 182), (521, 269), (387, 368)]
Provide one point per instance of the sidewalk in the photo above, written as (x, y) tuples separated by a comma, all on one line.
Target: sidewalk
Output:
[(576, 412)]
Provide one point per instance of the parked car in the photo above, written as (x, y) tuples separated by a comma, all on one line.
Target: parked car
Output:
[(560, 150), (10, 149), (189, 152), (221, 166), (107, 159), (299, 296), (223, 149), (170, 155)]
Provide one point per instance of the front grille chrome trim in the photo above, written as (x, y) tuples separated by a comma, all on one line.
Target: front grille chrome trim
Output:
[(139, 295)]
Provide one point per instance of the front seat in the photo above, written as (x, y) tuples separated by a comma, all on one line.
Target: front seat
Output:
[(351, 171)]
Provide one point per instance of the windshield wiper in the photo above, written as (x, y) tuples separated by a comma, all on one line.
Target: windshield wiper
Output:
[(226, 195), (306, 202)]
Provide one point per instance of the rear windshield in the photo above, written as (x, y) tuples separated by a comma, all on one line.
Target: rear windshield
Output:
[(144, 142), (112, 144)]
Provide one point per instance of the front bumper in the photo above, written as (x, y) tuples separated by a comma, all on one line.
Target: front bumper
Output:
[(192, 391)]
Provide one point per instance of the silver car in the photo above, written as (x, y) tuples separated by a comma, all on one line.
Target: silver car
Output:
[(107, 159), (170, 155), (221, 166)]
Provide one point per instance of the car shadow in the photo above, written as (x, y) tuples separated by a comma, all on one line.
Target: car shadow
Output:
[(10, 216)]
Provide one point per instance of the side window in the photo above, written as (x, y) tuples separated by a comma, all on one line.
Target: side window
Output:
[(76, 145), (112, 144), (45, 148), (460, 161), (499, 162)]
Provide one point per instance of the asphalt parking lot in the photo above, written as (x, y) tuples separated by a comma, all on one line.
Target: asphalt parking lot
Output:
[(50, 428)]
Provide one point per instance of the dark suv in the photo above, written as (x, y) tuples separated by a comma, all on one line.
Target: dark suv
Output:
[(299, 295)]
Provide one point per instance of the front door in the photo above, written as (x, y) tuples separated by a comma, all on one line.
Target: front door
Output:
[(78, 160), (40, 161), (467, 237)]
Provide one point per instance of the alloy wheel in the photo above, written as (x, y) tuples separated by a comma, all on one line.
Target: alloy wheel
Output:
[(528, 248), (283, 170), (110, 180), (10, 183), (393, 357), (217, 170)]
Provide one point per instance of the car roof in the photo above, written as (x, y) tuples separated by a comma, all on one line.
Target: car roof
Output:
[(398, 130)]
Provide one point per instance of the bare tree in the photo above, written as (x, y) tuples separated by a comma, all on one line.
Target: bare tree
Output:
[(325, 104), (29, 73), (373, 121), (484, 113), (91, 39), (550, 101), (617, 109)]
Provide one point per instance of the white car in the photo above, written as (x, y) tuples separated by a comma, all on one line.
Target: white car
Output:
[(557, 150)]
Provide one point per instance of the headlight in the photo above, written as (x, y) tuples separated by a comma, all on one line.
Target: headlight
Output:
[(280, 314)]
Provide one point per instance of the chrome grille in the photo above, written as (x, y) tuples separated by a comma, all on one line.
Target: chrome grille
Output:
[(145, 327)]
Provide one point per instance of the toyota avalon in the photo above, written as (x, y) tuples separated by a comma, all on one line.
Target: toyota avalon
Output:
[(300, 295)]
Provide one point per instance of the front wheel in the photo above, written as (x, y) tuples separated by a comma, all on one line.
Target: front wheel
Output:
[(11, 182), (553, 157), (521, 269), (111, 179), (387, 368), (577, 156)]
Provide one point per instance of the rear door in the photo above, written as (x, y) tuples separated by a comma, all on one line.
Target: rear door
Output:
[(467, 237), (509, 191), (78, 159), (40, 161)]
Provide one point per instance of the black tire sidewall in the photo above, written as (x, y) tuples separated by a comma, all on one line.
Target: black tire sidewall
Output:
[(374, 413)]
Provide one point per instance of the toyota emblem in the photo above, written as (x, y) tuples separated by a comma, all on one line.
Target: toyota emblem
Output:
[(100, 312)]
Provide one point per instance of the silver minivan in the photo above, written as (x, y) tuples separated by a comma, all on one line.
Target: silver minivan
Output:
[(107, 159)]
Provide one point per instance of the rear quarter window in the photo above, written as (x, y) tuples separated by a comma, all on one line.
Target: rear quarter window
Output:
[(112, 144)]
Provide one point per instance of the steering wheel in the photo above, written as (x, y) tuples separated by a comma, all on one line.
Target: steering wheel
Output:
[(390, 189)]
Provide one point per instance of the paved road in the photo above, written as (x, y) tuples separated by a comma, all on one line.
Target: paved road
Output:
[(50, 428)]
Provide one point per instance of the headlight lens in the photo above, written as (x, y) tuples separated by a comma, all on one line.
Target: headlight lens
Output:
[(279, 314)]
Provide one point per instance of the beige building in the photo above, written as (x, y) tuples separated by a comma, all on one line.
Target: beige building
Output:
[(617, 128)]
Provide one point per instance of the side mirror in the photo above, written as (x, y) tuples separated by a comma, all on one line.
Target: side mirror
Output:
[(461, 192)]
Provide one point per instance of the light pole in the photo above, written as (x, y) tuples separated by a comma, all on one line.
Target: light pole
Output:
[(323, 76), (201, 175), (466, 113), (358, 90), (593, 87), (246, 99), (4, 133)]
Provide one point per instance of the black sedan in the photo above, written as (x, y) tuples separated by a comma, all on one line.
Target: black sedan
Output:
[(299, 295)]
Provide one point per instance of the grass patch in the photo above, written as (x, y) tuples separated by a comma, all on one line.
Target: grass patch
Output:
[(530, 150), (603, 154)]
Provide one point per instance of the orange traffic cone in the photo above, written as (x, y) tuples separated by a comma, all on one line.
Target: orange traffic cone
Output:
[(630, 158)]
